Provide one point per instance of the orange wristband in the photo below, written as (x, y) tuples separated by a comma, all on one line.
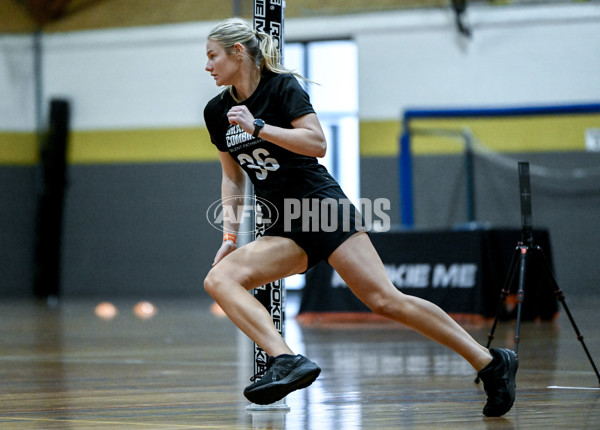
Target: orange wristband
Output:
[(230, 236)]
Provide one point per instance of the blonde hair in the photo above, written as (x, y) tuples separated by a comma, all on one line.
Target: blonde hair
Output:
[(260, 47)]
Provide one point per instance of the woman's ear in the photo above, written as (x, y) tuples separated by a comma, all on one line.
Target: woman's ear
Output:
[(239, 49)]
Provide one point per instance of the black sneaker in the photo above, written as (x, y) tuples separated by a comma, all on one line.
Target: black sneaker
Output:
[(499, 382), (285, 373)]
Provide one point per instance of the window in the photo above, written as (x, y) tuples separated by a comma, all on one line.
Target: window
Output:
[(333, 65)]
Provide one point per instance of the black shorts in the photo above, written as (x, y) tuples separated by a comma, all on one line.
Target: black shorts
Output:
[(336, 220)]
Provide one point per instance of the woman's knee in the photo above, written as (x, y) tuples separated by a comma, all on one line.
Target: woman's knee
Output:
[(388, 304), (210, 283), (223, 278), (214, 281), (379, 305)]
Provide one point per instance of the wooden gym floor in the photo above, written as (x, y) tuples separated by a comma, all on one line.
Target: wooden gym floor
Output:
[(66, 368)]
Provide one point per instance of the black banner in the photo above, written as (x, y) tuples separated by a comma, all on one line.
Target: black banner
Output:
[(461, 271)]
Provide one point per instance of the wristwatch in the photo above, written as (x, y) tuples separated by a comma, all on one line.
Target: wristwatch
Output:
[(258, 125)]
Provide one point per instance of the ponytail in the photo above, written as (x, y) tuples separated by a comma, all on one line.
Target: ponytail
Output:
[(269, 57)]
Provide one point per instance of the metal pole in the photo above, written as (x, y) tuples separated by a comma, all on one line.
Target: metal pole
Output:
[(39, 89), (269, 18), (405, 176), (469, 177), (237, 7)]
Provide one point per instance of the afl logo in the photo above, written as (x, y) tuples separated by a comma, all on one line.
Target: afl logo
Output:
[(240, 209)]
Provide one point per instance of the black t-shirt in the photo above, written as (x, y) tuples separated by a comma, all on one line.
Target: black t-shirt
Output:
[(275, 172)]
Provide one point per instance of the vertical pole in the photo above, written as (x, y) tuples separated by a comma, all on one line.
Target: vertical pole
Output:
[(469, 176), (268, 18), (49, 218), (335, 158), (39, 89), (525, 197), (237, 7), (520, 294), (405, 173)]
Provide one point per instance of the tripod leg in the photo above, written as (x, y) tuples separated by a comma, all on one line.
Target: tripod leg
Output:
[(520, 294), (561, 298), (503, 294)]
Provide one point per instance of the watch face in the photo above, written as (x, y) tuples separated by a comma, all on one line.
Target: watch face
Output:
[(258, 125)]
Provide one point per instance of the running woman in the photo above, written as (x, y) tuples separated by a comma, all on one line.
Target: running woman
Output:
[(263, 124)]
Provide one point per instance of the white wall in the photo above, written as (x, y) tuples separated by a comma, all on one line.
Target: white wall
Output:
[(17, 96), (133, 78), (154, 77), (516, 56)]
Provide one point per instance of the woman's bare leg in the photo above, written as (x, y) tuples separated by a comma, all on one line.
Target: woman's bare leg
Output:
[(257, 263), (359, 265)]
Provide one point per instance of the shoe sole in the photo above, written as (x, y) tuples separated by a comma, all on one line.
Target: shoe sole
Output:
[(513, 366), (296, 380)]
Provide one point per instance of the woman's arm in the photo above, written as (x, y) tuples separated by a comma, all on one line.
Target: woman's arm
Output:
[(233, 183), (233, 188), (305, 138)]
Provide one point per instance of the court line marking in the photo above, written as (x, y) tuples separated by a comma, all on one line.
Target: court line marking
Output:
[(558, 387)]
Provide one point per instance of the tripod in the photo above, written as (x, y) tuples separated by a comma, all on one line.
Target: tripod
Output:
[(523, 252)]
